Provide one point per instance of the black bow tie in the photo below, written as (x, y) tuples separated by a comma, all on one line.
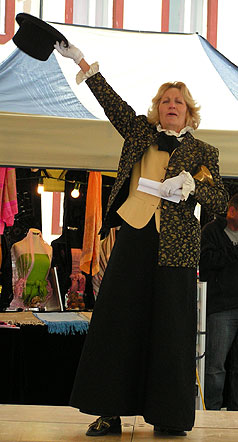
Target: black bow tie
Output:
[(167, 142)]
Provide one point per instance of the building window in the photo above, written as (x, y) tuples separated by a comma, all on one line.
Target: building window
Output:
[(187, 16), (93, 13), (81, 12), (198, 15), (176, 15)]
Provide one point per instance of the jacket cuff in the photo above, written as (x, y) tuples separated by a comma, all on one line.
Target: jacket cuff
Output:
[(81, 76)]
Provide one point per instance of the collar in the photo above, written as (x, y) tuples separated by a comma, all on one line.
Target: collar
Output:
[(173, 133)]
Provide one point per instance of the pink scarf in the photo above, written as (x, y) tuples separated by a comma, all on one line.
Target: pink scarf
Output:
[(8, 197)]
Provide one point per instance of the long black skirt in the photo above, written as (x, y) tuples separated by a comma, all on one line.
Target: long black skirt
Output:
[(139, 355)]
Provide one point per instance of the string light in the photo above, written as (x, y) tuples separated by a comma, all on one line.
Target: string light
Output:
[(75, 192), (46, 174), (40, 188)]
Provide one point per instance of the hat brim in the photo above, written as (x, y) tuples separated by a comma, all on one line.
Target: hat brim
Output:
[(36, 37)]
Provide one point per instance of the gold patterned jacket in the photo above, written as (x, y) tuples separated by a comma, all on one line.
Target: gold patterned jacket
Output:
[(179, 228)]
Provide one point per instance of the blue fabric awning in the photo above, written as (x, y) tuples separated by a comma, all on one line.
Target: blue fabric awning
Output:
[(227, 70), (34, 87)]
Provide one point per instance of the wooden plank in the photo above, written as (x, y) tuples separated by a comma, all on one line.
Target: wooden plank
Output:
[(31, 423)]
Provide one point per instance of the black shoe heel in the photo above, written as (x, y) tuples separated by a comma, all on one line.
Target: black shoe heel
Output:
[(169, 431)]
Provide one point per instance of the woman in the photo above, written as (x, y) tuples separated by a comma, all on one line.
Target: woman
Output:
[(139, 355)]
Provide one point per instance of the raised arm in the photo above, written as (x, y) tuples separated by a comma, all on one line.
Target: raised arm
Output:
[(117, 110)]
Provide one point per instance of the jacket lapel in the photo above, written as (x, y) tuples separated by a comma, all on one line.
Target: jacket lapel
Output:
[(187, 157)]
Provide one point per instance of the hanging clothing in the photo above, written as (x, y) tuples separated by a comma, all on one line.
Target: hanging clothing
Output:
[(8, 197), (71, 237), (93, 222), (78, 280), (76, 291), (31, 259)]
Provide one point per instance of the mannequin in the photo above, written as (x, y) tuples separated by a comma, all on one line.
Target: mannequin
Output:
[(31, 260)]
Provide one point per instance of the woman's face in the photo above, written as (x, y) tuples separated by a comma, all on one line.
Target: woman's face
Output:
[(172, 110)]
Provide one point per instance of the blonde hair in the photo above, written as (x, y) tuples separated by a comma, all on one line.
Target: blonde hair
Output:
[(192, 117)]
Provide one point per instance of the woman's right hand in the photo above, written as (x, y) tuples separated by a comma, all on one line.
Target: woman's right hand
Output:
[(69, 51)]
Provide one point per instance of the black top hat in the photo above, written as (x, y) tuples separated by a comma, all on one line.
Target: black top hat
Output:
[(35, 37)]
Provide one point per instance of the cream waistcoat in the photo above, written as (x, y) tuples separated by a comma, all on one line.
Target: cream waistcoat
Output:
[(139, 207)]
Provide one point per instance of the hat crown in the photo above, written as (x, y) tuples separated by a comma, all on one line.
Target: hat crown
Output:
[(35, 37)]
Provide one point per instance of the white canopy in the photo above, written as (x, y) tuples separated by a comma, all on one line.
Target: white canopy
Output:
[(46, 120)]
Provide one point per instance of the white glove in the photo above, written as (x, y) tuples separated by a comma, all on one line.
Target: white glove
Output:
[(70, 52), (172, 185)]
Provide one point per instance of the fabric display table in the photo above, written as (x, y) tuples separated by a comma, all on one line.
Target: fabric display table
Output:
[(60, 323), (40, 355)]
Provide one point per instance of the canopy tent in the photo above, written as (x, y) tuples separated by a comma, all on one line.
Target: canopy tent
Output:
[(46, 120)]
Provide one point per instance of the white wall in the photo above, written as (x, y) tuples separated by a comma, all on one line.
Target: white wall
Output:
[(227, 40)]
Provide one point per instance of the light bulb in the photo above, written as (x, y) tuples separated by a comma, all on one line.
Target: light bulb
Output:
[(40, 188), (75, 192)]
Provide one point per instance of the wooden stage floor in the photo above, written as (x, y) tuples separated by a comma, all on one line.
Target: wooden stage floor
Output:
[(28, 423)]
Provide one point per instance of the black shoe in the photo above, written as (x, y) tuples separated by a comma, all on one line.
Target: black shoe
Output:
[(169, 431), (104, 425)]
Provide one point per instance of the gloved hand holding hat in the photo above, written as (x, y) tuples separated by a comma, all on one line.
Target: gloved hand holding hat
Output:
[(69, 51)]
